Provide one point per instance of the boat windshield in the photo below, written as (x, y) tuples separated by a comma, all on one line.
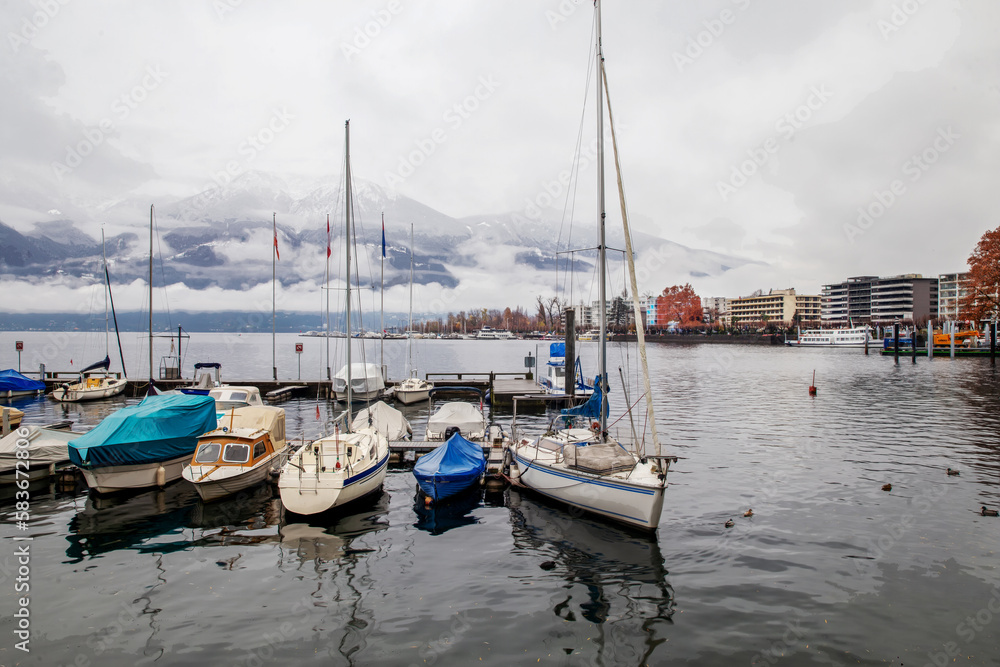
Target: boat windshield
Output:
[(236, 453), (208, 452)]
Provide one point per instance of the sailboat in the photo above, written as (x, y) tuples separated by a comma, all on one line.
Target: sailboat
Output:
[(579, 464), (412, 389), (91, 385), (345, 465)]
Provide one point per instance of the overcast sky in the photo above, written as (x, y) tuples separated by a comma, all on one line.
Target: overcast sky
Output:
[(758, 129)]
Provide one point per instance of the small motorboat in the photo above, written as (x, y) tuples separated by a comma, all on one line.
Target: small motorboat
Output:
[(143, 445), (453, 467), (230, 396), (466, 417), (46, 447), (249, 443), (14, 384)]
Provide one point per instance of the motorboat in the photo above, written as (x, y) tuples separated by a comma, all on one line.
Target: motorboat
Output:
[(240, 454), (385, 419), (365, 380), (13, 384), (554, 381), (467, 418), (451, 468), (143, 445), (230, 396), (47, 449)]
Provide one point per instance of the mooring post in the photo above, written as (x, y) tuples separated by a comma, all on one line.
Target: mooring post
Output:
[(993, 343), (930, 339), (951, 326), (569, 377), (913, 342), (895, 341)]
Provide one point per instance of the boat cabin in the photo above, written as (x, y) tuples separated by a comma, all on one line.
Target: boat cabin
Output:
[(239, 447), (229, 396)]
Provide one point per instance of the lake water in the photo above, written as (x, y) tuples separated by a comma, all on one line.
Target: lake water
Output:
[(829, 570)]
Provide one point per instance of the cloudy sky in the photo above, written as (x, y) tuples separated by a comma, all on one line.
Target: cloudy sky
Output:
[(821, 139)]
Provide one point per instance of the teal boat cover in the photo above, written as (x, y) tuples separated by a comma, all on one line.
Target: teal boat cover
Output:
[(159, 428)]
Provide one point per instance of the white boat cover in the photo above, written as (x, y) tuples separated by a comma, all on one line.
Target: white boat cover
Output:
[(365, 378), (256, 417), (386, 419), (47, 445), (465, 416)]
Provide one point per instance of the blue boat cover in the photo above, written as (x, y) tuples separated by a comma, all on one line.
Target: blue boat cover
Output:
[(159, 428), (454, 466), (592, 408), (104, 363), (557, 349), (11, 380)]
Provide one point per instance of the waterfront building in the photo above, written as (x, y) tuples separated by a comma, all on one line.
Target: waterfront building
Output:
[(715, 310), (952, 288), (880, 301), (779, 306)]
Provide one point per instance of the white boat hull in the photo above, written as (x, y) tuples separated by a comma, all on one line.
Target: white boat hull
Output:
[(358, 396), (638, 505), (78, 395), (409, 396), (141, 476), (332, 489), (211, 488)]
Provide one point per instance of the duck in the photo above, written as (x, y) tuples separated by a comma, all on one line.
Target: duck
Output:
[(988, 512), (953, 472), (730, 524), (887, 487), (748, 513)]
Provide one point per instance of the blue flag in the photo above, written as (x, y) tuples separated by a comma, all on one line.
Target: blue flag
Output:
[(383, 236)]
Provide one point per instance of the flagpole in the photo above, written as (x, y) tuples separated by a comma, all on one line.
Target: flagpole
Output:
[(274, 273)]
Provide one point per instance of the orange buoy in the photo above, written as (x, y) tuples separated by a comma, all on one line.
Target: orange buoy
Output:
[(812, 387)]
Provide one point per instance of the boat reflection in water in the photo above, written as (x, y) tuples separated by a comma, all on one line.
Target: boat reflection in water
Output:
[(455, 512), (341, 572), (615, 577), (131, 520)]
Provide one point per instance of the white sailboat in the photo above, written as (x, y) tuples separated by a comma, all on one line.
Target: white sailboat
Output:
[(581, 466), (92, 385), (345, 465), (412, 389)]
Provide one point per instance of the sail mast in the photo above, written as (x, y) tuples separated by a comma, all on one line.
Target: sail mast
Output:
[(104, 260), (150, 296), (327, 330), (601, 249), (639, 319), (381, 306), (409, 326), (347, 251), (274, 252)]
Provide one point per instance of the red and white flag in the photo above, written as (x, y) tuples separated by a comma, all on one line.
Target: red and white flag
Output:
[(276, 253), (328, 236)]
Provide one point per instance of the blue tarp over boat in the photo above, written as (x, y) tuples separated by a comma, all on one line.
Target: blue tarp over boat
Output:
[(452, 467), (11, 380), (159, 428)]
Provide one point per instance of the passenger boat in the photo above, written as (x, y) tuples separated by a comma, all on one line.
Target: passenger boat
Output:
[(554, 381), (240, 454), (450, 468), (590, 335), (489, 333), (143, 445), (853, 337), (580, 465), (345, 465), (13, 384)]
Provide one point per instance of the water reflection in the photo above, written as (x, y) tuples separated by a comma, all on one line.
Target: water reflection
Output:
[(130, 520), (328, 536), (614, 578), (453, 512)]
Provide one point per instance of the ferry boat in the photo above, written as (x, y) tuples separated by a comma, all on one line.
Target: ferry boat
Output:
[(489, 333), (853, 337)]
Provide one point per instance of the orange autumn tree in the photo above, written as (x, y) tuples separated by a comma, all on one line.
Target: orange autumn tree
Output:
[(982, 293), (679, 304)]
